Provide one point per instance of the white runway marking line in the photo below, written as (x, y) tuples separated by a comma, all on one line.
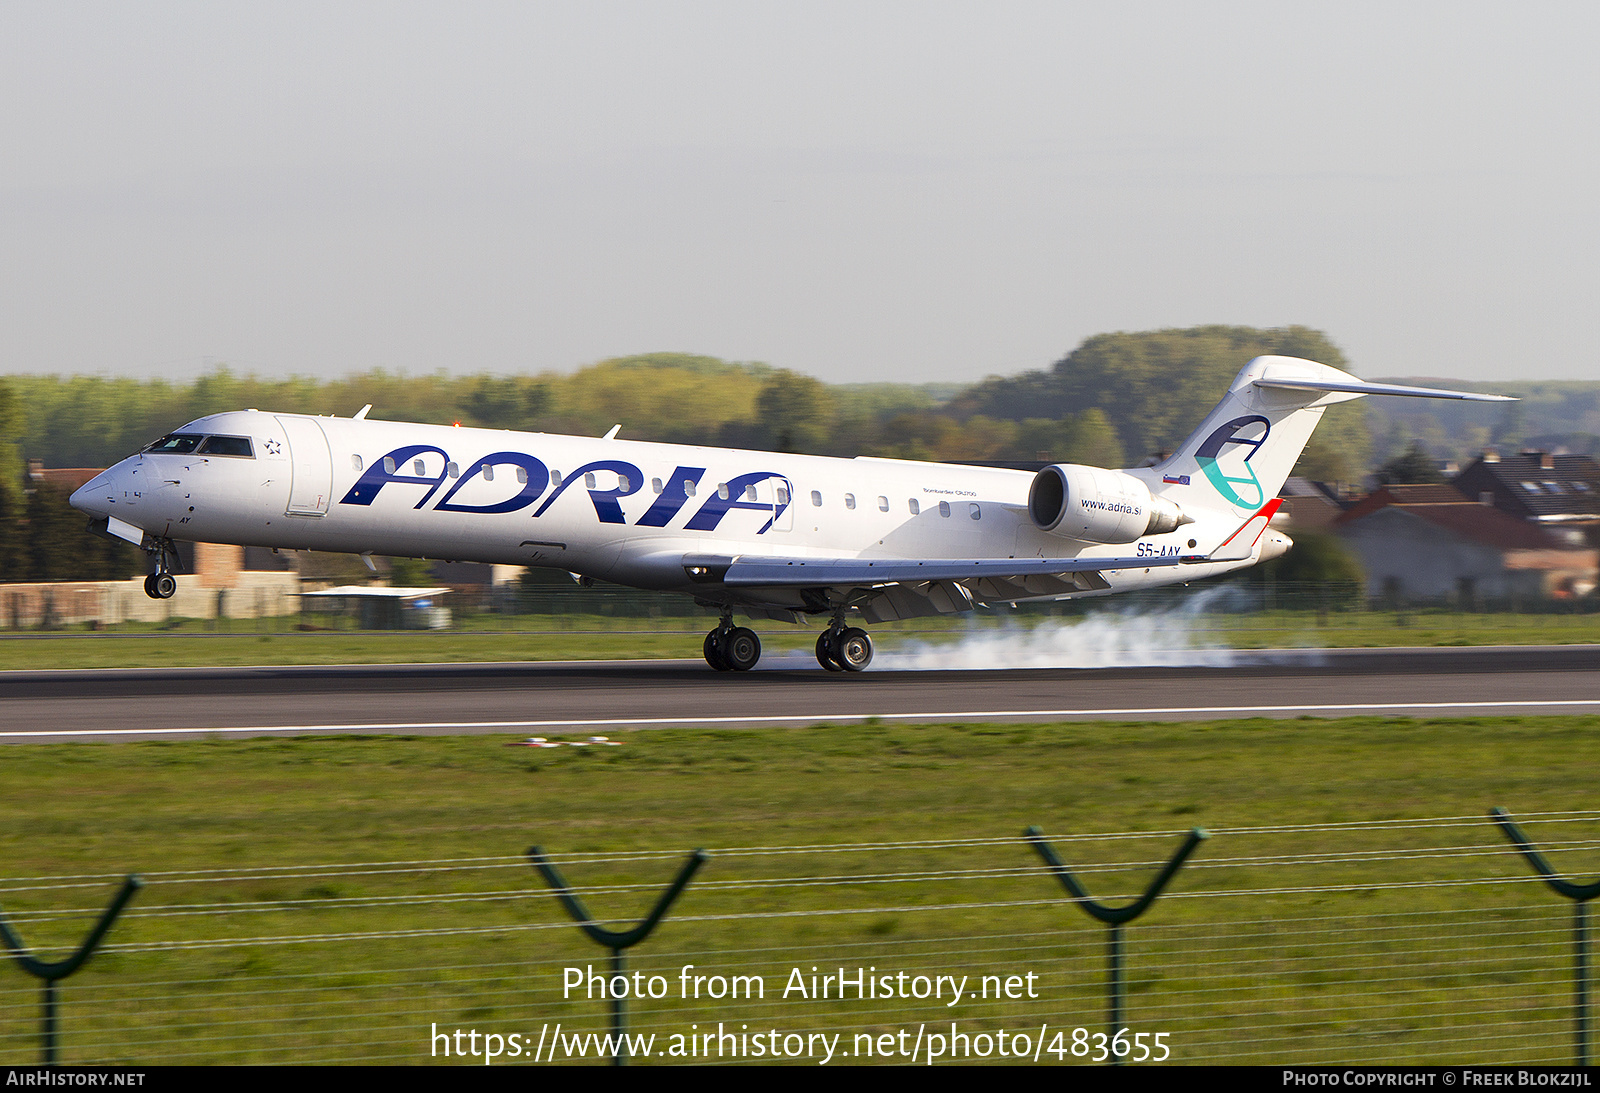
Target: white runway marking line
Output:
[(948, 715)]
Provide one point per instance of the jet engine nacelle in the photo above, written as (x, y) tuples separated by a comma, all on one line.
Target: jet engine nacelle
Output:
[(1099, 506)]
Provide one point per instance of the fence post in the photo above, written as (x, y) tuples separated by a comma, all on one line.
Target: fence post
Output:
[(49, 974), (1580, 895), (1114, 917), (616, 941)]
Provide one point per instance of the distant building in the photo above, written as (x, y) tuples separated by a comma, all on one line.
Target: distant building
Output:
[(66, 479), (1307, 504), (213, 580), (1561, 492), (380, 608), (1460, 551), (1419, 494)]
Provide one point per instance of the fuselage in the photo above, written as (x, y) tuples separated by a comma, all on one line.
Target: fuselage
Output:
[(611, 509)]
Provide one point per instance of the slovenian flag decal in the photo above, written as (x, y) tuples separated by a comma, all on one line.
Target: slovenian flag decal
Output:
[(1175, 479)]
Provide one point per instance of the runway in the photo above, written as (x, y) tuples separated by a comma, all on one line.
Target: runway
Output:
[(600, 697)]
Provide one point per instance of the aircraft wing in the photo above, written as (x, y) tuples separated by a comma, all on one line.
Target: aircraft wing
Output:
[(746, 570), (753, 571)]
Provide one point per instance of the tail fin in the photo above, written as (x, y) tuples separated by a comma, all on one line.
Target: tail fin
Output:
[(1246, 447)]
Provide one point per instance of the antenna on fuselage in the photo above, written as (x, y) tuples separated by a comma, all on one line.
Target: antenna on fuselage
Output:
[(361, 414), (612, 435)]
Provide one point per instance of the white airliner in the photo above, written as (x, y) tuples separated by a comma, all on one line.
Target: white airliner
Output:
[(772, 536)]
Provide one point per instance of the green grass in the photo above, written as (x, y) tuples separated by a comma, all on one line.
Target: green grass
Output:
[(191, 642), (1335, 959)]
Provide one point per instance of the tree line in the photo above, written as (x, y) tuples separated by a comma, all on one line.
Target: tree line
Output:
[(43, 538), (1114, 400)]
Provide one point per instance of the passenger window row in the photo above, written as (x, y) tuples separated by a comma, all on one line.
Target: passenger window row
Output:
[(974, 510)]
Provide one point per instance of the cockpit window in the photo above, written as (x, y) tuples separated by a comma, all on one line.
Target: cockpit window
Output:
[(227, 445), (176, 444)]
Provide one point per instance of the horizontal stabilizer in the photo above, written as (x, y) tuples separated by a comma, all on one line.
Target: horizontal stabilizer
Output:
[(1358, 388)]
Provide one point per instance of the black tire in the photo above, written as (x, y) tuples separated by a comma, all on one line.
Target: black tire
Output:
[(150, 587), (854, 649), (165, 585), (713, 651), (741, 648), (825, 655)]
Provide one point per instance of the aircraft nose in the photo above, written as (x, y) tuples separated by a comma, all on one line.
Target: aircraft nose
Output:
[(96, 496)]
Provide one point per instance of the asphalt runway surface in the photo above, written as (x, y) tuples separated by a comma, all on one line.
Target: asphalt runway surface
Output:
[(577, 698)]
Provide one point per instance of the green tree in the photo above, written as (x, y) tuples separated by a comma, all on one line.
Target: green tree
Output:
[(59, 547), (14, 563), (1155, 387), (1091, 439), (495, 404), (10, 460), (1317, 572), (795, 412), (1412, 466), (915, 436), (410, 573)]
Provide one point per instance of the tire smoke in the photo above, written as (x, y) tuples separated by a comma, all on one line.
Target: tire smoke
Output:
[(1116, 637)]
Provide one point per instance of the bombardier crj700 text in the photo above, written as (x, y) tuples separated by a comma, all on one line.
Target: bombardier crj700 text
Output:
[(772, 536)]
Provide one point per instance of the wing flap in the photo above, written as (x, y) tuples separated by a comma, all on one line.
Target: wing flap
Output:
[(753, 572), (830, 571)]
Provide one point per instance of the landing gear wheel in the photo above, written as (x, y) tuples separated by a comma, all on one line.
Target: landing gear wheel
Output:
[(741, 648), (161, 585), (825, 652), (713, 651), (854, 649)]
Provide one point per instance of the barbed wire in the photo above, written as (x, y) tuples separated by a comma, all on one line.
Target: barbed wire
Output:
[(1318, 964), (302, 871)]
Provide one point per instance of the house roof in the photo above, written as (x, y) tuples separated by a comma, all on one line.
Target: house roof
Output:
[(1295, 486), (1421, 494), (1469, 520), (1537, 484), (63, 478)]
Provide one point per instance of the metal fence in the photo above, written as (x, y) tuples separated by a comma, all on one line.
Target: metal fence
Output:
[(1232, 614), (1400, 941)]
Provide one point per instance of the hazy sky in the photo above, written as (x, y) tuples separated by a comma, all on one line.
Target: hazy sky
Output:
[(860, 191)]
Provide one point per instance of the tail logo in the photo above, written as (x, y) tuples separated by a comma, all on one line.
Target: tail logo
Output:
[(1244, 491)]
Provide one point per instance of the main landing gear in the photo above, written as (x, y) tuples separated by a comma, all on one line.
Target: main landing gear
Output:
[(842, 648), (731, 648), (162, 585)]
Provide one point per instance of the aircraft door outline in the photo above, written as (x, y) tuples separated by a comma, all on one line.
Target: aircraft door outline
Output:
[(311, 477)]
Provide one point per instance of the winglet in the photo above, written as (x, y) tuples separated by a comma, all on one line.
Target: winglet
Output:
[(1242, 543)]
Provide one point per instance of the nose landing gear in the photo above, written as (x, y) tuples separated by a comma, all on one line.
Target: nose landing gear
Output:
[(162, 585)]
